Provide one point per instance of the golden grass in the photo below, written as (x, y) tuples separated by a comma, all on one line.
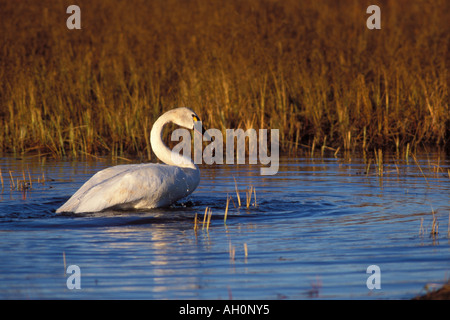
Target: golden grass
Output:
[(208, 212), (206, 220), (309, 68), (209, 220), (434, 226), (226, 210), (195, 223), (237, 192), (20, 181), (249, 196), (443, 293)]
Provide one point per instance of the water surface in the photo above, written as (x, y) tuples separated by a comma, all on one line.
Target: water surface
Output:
[(316, 227)]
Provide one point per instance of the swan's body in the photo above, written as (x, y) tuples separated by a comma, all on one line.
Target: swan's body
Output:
[(141, 186)]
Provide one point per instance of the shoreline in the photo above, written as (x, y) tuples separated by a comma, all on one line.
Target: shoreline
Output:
[(443, 293)]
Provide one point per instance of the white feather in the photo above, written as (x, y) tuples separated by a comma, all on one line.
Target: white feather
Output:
[(141, 186)]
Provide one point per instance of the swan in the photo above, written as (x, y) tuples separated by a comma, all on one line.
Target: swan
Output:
[(142, 186)]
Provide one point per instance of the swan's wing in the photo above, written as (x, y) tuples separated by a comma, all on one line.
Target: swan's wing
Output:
[(123, 189), (134, 186), (96, 179)]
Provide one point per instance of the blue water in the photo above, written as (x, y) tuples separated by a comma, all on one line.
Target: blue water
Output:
[(316, 227)]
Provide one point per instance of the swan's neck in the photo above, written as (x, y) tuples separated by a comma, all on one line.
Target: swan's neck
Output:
[(162, 151)]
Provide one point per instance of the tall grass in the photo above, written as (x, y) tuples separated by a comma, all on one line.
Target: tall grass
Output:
[(309, 68)]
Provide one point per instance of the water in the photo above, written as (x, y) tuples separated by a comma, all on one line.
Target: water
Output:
[(316, 227)]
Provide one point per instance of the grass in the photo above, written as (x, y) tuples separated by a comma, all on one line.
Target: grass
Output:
[(434, 226), (208, 212), (226, 210), (15, 183), (237, 191), (443, 293), (434, 232), (309, 68), (206, 220)]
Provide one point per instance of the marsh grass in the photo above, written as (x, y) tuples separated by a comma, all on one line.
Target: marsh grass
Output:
[(226, 210), (208, 211), (251, 190), (206, 220), (209, 219), (245, 250), (434, 230), (21, 181), (308, 68), (237, 192), (421, 228), (434, 226)]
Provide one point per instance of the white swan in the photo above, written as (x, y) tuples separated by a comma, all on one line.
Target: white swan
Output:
[(142, 186)]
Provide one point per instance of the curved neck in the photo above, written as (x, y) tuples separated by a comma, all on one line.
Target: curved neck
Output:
[(162, 151)]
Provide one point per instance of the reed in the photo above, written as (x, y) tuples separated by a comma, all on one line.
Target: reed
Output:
[(251, 190), (308, 68), (237, 192), (209, 220), (195, 223), (249, 196), (379, 161), (29, 177), (226, 210), (11, 179), (368, 167), (204, 218), (421, 228), (434, 226), (407, 153)]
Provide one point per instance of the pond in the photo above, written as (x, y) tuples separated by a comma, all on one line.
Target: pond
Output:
[(312, 233)]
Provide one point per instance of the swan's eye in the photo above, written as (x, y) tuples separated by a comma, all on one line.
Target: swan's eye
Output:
[(195, 118)]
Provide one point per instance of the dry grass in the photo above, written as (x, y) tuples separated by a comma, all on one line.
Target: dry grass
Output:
[(206, 220), (434, 226), (309, 68), (443, 293), (237, 192), (226, 210)]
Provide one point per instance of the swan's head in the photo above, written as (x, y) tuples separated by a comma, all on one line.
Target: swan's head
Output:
[(184, 117)]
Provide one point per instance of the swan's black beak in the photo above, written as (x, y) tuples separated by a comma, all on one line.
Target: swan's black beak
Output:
[(205, 134), (201, 129)]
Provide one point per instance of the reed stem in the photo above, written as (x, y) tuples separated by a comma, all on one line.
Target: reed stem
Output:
[(226, 210), (1, 177), (237, 192), (209, 220)]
